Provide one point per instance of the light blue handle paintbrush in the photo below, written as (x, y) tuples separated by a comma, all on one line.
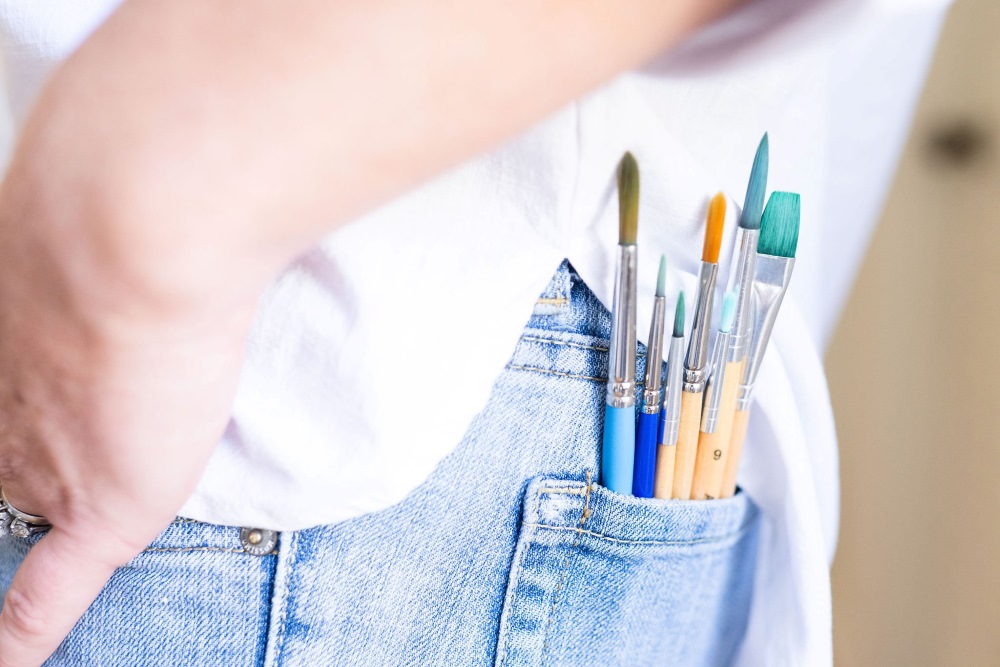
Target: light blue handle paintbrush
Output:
[(618, 448)]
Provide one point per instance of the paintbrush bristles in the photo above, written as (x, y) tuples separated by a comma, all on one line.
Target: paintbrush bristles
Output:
[(713, 229), (628, 200), (679, 317), (728, 312), (779, 228), (753, 205), (661, 277)]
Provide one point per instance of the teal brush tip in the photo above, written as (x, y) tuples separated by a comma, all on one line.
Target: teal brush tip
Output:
[(753, 205), (779, 228), (661, 277), (728, 312), (679, 317)]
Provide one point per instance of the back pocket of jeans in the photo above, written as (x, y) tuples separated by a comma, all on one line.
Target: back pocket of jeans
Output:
[(604, 579)]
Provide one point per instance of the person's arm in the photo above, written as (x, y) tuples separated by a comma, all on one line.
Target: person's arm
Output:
[(175, 163)]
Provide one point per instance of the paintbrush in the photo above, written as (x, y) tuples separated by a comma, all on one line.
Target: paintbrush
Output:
[(779, 236), (744, 258), (618, 446), (666, 452), (696, 364), (647, 430), (741, 281), (714, 417)]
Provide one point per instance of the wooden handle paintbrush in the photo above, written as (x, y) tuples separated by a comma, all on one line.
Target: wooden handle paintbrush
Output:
[(711, 464), (666, 451), (696, 366), (779, 234), (716, 420)]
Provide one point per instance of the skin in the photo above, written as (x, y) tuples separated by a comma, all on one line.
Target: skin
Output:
[(185, 154)]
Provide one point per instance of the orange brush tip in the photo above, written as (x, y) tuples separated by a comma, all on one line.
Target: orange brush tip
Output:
[(713, 229)]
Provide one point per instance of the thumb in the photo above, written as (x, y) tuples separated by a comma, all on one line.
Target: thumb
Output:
[(53, 587)]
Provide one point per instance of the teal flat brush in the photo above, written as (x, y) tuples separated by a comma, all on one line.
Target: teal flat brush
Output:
[(779, 237)]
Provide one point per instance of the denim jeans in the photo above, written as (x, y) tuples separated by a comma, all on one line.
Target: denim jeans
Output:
[(510, 553)]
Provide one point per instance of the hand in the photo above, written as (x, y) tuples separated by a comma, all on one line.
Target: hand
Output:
[(112, 395)]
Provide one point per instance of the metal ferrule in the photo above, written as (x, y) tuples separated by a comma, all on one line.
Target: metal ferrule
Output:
[(697, 352), (695, 380), (621, 356), (672, 400), (741, 279), (651, 401), (713, 393), (652, 395), (769, 286)]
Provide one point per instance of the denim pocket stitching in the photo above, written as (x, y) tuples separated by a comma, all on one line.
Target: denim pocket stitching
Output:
[(528, 338), (680, 543), (183, 549), (576, 488), (520, 554), (517, 367), (564, 343), (584, 515), (567, 490), (279, 635)]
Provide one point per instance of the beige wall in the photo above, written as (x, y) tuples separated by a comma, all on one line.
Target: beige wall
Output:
[(914, 371)]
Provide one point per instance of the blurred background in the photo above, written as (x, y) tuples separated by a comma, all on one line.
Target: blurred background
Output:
[(913, 372)]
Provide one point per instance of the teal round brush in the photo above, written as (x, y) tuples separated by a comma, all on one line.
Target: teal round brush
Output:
[(779, 237)]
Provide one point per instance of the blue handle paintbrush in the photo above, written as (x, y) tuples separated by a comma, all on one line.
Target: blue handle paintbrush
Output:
[(618, 448), (647, 430)]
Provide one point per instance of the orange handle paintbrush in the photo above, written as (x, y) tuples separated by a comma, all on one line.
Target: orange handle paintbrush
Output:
[(696, 366), (716, 420)]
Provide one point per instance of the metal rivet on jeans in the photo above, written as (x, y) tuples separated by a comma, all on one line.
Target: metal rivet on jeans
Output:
[(258, 541)]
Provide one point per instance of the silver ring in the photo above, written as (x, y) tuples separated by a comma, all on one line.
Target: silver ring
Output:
[(18, 523)]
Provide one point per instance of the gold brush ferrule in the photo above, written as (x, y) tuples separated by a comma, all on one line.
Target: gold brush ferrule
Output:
[(621, 355), (769, 286)]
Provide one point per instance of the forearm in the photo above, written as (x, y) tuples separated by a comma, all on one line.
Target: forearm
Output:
[(236, 134)]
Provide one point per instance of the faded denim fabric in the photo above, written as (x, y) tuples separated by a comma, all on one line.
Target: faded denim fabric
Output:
[(509, 554)]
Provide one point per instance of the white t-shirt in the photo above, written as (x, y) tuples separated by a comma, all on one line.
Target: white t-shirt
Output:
[(452, 270)]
